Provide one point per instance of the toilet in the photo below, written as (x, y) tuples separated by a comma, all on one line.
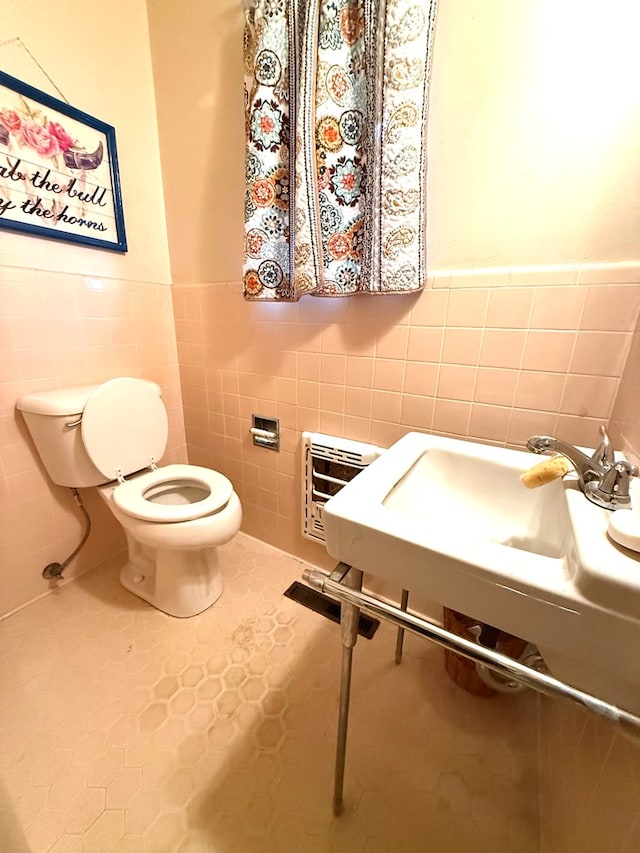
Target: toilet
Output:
[(175, 516)]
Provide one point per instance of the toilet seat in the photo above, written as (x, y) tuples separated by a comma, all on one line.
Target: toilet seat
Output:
[(130, 496)]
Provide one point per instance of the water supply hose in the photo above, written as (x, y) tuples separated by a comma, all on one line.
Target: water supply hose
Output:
[(54, 570)]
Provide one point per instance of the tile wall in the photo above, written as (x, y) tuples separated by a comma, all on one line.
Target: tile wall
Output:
[(589, 773), (589, 783), (625, 423), (62, 330), (490, 357)]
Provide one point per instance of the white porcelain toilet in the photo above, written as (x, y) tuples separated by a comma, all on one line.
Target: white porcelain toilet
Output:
[(110, 436)]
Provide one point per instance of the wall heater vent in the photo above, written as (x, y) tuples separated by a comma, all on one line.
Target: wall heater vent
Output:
[(328, 464)]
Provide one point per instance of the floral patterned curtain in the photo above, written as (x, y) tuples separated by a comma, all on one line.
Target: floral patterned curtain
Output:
[(336, 109)]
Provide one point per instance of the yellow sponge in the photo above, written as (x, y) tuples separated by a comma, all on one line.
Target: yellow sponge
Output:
[(545, 471)]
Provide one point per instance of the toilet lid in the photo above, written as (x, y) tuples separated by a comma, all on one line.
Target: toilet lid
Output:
[(124, 426)]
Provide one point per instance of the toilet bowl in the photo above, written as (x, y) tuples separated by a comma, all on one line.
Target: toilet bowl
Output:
[(174, 517), (173, 526)]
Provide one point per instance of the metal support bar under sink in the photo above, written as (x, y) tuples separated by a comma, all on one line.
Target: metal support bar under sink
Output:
[(344, 583)]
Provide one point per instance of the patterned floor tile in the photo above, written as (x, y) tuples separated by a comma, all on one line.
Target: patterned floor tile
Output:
[(123, 729)]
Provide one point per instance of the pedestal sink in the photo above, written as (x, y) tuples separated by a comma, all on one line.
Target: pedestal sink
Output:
[(450, 520)]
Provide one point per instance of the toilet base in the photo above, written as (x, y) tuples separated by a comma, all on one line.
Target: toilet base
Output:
[(180, 583)]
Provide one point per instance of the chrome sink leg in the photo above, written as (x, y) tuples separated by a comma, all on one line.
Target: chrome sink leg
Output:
[(349, 619), (404, 603)]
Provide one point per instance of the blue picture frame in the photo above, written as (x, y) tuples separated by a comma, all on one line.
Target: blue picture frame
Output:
[(59, 173)]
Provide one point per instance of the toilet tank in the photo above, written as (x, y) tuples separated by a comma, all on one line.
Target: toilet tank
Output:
[(53, 419)]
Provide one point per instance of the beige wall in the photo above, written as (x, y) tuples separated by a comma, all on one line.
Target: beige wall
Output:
[(534, 122), (197, 66), (533, 136), (71, 315), (625, 423)]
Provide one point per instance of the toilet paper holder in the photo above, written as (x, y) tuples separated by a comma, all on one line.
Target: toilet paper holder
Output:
[(265, 432)]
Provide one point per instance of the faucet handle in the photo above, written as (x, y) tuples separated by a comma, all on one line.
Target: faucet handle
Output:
[(612, 492), (616, 479), (603, 454)]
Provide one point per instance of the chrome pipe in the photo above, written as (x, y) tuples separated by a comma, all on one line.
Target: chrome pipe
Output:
[(349, 620), (503, 665), (404, 605)]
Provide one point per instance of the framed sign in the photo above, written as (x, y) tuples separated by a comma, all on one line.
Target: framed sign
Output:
[(58, 170)]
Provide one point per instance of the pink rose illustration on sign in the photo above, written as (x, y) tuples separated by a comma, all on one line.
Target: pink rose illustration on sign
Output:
[(38, 137), (64, 140), (11, 120), (47, 138)]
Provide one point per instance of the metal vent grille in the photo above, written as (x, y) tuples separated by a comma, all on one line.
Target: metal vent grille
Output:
[(328, 464)]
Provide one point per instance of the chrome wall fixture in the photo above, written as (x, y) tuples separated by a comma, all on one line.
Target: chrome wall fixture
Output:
[(345, 585), (265, 432)]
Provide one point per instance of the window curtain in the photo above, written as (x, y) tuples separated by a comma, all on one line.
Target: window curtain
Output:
[(336, 111)]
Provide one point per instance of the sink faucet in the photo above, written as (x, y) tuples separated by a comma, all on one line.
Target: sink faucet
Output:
[(604, 481)]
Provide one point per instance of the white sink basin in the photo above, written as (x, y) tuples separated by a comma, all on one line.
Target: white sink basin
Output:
[(451, 521), (474, 495)]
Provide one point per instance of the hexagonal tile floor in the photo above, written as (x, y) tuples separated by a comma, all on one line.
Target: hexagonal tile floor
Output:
[(123, 729)]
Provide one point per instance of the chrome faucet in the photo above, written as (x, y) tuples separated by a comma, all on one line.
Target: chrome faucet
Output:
[(604, 481)]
